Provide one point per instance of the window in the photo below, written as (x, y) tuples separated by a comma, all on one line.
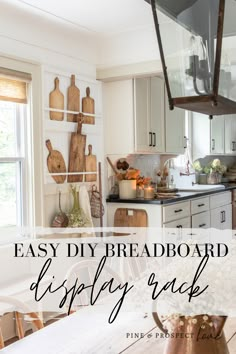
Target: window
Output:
[(15, 157)]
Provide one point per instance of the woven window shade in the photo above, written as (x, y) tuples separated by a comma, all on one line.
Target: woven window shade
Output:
[(13, 85)]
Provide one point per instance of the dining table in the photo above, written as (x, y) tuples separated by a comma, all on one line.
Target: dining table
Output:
[(87, 331)]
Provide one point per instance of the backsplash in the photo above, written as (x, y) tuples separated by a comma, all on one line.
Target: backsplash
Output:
[(149, 165)]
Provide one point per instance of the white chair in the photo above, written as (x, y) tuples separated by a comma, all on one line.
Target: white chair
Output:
[(85, 271), (11, 304)]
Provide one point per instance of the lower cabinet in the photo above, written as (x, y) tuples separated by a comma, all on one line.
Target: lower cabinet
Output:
[(184, 223), (212, 211), (221, 218), (201, 221)]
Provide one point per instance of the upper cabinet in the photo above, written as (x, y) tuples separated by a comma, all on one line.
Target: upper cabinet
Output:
[(149, 115), (213, 137), (217, 126), (138, 120), (230, 134), (176, 141), (118, 117)]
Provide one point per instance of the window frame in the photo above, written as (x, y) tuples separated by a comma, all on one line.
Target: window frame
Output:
[(33, 192)]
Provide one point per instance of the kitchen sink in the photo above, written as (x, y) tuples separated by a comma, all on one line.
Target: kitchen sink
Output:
[(202, 188)]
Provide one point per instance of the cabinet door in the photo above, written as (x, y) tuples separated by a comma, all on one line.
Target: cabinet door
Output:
[(143, 134), (217, 135), (221, 218), (201, 220), (157, 112), (216, 218), (230, 134), (227, 217), (118, 117), (175, 129), (200, 135)]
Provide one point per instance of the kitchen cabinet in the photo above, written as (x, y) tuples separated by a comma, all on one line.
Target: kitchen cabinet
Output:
[(210, 211), (213, 137), (217, 135), (118, 117), (230, 134), (221, 211), (201, 220), (149, 115), (221, 218), (184, 223), (174, 129), (137, 118), (176, 211)]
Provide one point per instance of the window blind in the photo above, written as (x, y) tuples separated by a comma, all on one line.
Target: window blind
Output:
[(13, 85)]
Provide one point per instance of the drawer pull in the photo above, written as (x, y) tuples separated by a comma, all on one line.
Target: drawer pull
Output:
[(222, 217), (201, 205), (179, 226), (150, 138), (202, 225), (178, 211)]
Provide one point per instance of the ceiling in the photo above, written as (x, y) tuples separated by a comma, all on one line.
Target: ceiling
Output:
[(103, 17)]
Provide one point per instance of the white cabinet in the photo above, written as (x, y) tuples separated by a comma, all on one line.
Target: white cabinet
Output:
[(137, 118), (175, 129), (201, 220), (217, 135), (149, 115), (230, 134), (221, 211), (213, 137), (176, 211), (184, 223), (221, 218), (118, 117), (143, 134)]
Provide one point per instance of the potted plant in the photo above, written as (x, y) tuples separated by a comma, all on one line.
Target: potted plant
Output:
[(214, 171), (127, 183)]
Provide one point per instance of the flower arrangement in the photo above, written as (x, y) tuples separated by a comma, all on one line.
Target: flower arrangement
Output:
[(134, 174), (212, 167), (131, 173)]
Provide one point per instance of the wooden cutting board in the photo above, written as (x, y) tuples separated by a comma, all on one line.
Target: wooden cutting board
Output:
[(125, 217), (77, 154), (56, 100), (88, 106), (90, 166), (56, 163), (73, 100)]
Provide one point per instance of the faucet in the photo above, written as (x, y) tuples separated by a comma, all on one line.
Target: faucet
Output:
[(187, 172)]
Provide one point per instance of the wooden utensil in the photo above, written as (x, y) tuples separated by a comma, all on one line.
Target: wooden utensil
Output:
[(73, 100), (90, 165), (56, 101), (56, 163), (88, 106), (77, 154), (112, 167)]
